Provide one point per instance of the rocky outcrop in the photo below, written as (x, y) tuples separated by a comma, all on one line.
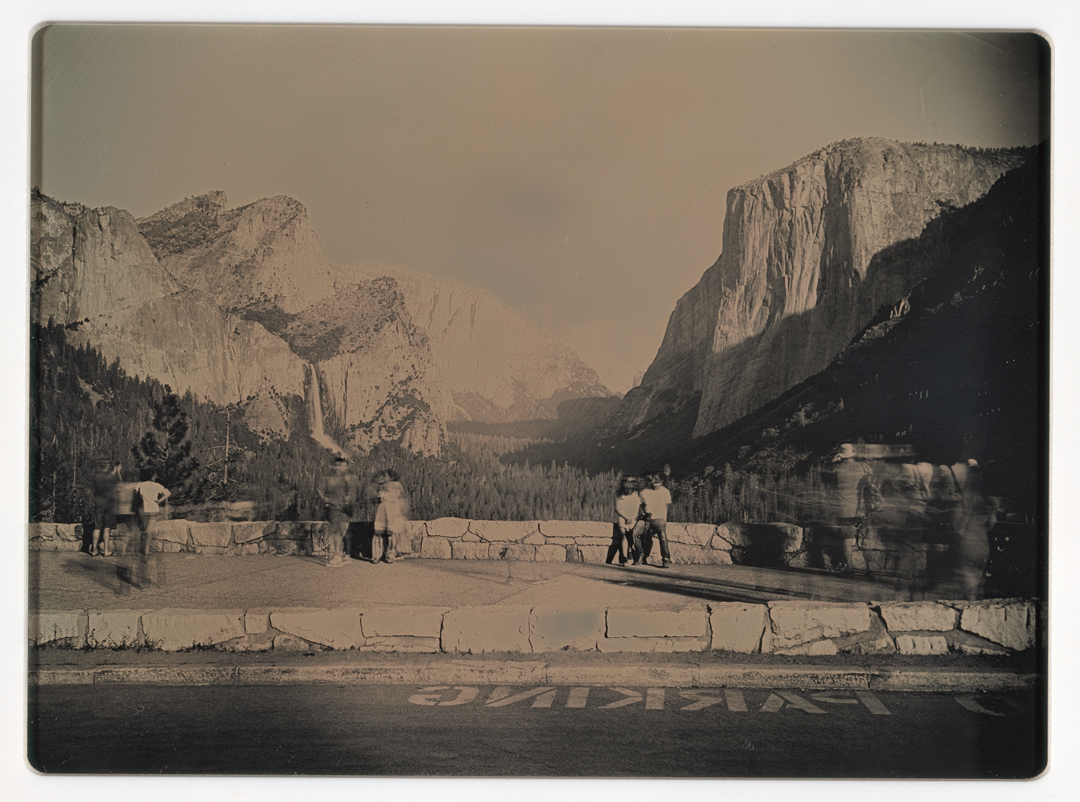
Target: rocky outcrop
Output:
[(186, 341), (810, 253), (232, 304), (94, 271), (89, 262), (265, 252)]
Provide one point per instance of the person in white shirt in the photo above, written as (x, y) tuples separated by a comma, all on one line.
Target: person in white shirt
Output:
[(390, 515), (624, 537), (149, 495), (655, 500)]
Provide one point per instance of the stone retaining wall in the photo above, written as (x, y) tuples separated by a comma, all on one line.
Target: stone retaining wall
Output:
[(764, 545), (995, 627)]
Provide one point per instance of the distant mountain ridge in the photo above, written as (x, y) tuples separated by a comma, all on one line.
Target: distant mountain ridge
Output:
[(242, 306)]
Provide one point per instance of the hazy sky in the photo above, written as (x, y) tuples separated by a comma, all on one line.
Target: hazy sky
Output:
[(578, 174)]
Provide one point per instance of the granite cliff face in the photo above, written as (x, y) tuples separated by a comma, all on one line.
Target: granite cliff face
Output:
[(262, 253), (89, 262), (93, 270), (241, 306), (810, 252)]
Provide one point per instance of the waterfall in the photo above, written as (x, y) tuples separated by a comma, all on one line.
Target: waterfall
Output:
[(317, 432)]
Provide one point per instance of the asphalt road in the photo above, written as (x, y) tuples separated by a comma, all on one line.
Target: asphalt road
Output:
[(403, 730)]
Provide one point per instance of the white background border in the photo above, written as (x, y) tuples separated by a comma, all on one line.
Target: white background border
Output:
[(1056, 19)]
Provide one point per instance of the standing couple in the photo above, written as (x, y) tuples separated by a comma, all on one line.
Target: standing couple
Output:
[(640, 513)]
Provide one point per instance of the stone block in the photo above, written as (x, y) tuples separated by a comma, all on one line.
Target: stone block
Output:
[(56, 537), (797, 559), (922, 644), (797, 622), (291, 643), (213, 551), (460, 550), (114, 629), (577, 530), (918, 617), (517, 552), (550, 554), (520, 552), (738, 627), (556, 628), (397, 621), (62, 626), (435, 548), (760, 544), (452, 528), (174, 629), (256, 622), (249, 531), (721, 543), (966, 643), (178, 531), (502, 531), (1010, 622), (486, 629), (247, 549), (687, 622), (412, 537), (296, 530), (657, 645), (690, 534), (535, 539), (883, 644), (818, 647), (337, 629), (167, 546), (733, 534), (469, 537), (589, 554)]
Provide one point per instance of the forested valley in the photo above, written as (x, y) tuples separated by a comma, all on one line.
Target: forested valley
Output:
[(84, 409)]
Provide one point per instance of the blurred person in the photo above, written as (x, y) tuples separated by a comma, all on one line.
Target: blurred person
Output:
[(390, 515), (338, 490), (655, 500), (901, 521), (624, 539), (105, 484), (853, 478), (973, 517), (149, 495)]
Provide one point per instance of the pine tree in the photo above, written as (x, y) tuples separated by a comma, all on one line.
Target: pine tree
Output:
[(165, 450)]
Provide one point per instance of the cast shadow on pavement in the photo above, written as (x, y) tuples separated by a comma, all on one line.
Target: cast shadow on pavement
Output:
[(723, 590)]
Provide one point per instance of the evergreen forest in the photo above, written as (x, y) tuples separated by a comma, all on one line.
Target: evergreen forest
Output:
[(84, 409)]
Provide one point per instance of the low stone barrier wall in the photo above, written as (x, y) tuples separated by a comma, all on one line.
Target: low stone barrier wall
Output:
[(994, 627), (765, 545)]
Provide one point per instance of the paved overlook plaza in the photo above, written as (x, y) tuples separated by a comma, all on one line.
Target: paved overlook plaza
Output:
[(265, 603)]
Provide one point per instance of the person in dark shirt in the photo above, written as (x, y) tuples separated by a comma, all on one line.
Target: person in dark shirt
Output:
[(104, 483), (338, 490)]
